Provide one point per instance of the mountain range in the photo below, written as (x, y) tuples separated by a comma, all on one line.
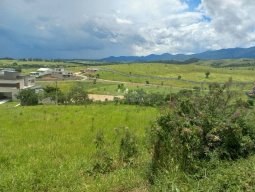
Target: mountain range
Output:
[(231, 53)]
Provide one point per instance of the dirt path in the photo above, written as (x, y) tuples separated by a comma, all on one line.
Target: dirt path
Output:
[(96, 97)]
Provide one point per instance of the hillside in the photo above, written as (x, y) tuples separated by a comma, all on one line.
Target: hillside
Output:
[(232, 53)]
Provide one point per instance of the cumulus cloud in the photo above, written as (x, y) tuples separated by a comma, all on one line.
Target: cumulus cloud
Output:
[(232, 19), (95, 29)]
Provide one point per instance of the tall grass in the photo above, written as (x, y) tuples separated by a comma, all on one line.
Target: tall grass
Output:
[(50, 148)]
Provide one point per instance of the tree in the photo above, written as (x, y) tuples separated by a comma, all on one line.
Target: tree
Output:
[(77, 95), (207, 74), (28, 97), (179, 77), (55, 94)]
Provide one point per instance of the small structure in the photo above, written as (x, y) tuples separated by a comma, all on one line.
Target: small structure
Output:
[(11, 82), (58, 70), (90, 70), (61, 73), (42, 72), (56, 73)]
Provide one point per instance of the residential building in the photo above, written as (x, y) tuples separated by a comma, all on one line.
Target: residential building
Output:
[(42, 72), (11, 82)]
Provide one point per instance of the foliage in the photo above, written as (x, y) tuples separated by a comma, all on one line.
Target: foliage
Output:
[(103, 162), (140, 97), (128, 147), (28, 97), (77, 95), (207, 74), (199, 126), (227, 176), (49, 148), (55, 94)]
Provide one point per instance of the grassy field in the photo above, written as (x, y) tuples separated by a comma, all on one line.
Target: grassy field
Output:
[(110, 88), (187, 72), (50, 148), (192, 75)]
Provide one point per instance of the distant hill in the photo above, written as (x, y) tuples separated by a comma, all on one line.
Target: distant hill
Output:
[(232, 53)]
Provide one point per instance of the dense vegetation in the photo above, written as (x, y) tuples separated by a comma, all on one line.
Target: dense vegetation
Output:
[(202, 129)]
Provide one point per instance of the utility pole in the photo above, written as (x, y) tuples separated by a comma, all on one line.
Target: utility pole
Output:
[(56, 97)]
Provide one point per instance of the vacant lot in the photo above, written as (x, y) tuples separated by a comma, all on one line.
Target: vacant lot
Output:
[(192, 72), (49, 148)]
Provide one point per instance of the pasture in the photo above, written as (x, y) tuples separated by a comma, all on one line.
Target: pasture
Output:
[(50, 148), (189, 75)]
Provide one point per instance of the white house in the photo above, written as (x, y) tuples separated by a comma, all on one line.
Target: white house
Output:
[(41, 72), (11, 82)]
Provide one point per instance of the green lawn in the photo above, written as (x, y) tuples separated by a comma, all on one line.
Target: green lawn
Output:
[(50, 148)]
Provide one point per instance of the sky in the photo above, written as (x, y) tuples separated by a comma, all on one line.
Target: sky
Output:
[(95, 29)]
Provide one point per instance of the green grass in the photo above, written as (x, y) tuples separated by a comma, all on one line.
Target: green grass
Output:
[(49, 148), (109, 88), (228, 176), (191, 72)]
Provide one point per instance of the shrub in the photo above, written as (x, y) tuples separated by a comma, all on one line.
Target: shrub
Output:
[(55, 94), (103, 162), (198, 126), (140, 97), (128, 147), (77, 95), (207, 74), (250, 102), (28, 97)]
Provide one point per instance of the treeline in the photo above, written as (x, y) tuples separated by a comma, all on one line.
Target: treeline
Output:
[(223, 65), (53, 95)]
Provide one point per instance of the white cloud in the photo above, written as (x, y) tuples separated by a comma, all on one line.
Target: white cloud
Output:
[(94, 29), (123, 21)]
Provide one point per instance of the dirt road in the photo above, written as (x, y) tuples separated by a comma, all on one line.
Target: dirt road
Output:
[(96, 97)]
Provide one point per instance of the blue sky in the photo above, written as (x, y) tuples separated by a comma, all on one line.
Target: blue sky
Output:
[(193, 4), (97, 29)]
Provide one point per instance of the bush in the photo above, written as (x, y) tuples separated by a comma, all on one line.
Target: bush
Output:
[(128, 147), (140, 97), (250, 102), (28, 97), (77, 95), (55, 94), (103, 162), (199, 126)]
